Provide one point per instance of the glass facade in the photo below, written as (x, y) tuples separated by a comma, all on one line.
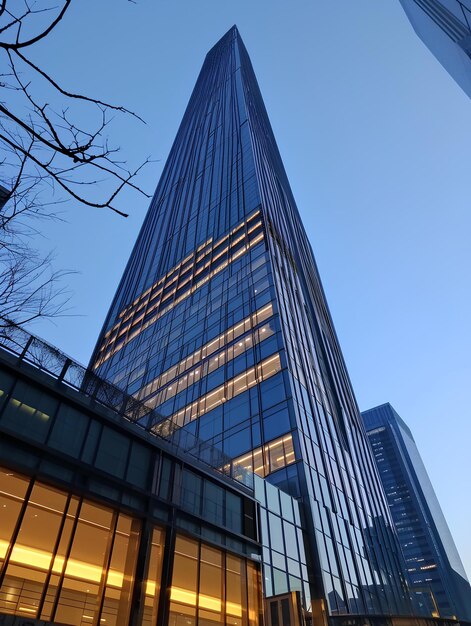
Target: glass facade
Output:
[(432, 561), (284, 557), (445, 28), (210, 587), (69, 560), (102, 523), (221, 324), (64, 558)]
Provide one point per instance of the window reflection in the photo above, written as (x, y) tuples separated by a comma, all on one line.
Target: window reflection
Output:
[(179, 283), (152, 581), (74, 561)]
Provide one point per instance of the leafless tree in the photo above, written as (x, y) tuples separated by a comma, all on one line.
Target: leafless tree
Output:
[(46, 151)]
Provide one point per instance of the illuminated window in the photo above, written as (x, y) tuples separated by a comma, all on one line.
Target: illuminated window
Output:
[(179, 283), (72, 561), (268, 458), (200, 575), (229, 390), (207, 359), (152, 582)]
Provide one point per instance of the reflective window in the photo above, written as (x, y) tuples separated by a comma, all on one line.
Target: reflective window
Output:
[(233, 387), (269, 458)]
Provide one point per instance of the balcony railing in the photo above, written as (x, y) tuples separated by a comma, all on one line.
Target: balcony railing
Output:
[(38, 353)]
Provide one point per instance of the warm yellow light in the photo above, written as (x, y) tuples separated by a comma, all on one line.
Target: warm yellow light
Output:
[(151, 588), (183, 595), (110, 347), (233, 608), (30, 556), (41, 559), (209, 602), (3, 548)]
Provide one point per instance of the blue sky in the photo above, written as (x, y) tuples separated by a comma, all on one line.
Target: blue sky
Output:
[(375, 138)]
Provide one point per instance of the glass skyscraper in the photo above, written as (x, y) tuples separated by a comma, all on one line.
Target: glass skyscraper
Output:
[(432, 560), (445, 28), (220, 322)]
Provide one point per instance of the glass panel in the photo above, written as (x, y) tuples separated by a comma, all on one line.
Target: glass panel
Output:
[(58, 565), (183, 593), (33, 551), (12, 493), (112, 452), (191, 492), (213, 503), (276, 455), (210, 593), (254, 594), (85, 568), (271, 457), (152, 583), (233, 512), (120, 578), (68, 431), (29, 412), (234, 598)]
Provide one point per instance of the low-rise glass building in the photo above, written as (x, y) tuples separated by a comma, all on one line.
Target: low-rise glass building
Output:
[(103, 523)]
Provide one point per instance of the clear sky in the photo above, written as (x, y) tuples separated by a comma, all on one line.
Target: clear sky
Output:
[(375, 137)]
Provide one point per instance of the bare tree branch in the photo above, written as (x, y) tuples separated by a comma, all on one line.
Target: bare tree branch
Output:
[(46, 148)]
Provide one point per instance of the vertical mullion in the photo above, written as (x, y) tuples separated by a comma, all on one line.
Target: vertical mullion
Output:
[(106, 567), (54, 554), (66, 558), (16, 530)]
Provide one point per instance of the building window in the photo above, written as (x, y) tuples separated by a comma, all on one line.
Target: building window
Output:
[(268, 458), (153, 576), (71, 561), (212, 587)]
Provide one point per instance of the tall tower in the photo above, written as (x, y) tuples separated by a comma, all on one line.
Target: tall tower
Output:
[(445, 28), (431, 557), (221, 323)]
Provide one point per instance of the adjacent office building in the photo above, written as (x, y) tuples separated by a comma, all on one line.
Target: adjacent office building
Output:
[(432, 561), (221, 325), (445, 28)]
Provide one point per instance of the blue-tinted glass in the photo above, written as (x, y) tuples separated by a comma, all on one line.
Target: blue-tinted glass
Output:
[(221, 259)]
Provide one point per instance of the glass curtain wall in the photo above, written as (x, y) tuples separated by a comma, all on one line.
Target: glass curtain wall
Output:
[(63, 558), (220, 322), (69, 560), (210, 587)]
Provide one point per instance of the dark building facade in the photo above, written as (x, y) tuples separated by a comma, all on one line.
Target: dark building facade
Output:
[(105, 524), (445, 28), (220, 323), (432, 560)]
